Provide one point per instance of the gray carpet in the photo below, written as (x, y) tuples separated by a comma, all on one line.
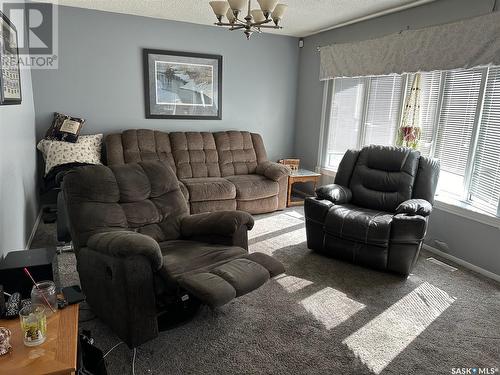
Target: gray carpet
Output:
[(323, 317)]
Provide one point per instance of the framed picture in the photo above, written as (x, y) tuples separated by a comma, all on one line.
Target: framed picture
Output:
[(10, 75), (182, 85)]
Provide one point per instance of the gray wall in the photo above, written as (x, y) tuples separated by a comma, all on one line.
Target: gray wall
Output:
[(100, 76), (471, 241), (18, 195)]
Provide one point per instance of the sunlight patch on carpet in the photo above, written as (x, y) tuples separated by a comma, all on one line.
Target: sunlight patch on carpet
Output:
[(379, 341), (278, 242), (272, 224), (292, 283), (331, 307)]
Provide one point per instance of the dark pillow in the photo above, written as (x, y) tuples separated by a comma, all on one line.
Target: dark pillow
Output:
[(65, 128)]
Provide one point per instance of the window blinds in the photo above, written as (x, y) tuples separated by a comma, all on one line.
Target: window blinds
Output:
[(382, 113), (345, 117), (456, 120), (485, 183)]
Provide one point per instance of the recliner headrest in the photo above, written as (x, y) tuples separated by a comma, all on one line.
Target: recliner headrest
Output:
[(386, 158)]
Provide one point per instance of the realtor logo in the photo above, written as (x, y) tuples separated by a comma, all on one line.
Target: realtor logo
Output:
[(37, 32)]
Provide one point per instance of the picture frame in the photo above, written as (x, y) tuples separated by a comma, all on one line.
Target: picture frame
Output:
[(10, 74), (182, 85)]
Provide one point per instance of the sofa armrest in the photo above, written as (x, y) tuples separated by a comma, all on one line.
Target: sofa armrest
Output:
[(415, 207), (337, 194), (273, 171), (124, 244), (224, 223)]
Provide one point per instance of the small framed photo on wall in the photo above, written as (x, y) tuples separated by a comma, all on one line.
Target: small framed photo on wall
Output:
[(182, 85), (10, 75)]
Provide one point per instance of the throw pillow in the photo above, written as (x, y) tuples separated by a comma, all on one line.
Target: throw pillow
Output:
[(86, 150), (65, 128)]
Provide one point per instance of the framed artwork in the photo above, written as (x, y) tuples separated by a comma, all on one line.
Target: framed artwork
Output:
[(10, 75), (182, 85)]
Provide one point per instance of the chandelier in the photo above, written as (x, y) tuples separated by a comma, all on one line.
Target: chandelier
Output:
[(254, 21)]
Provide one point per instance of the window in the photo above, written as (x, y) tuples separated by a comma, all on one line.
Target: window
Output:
[(364, 111), (459, 116)]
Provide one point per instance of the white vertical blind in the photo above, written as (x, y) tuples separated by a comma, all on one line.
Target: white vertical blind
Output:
[(345, 117), (429, 102), (485, 184), (456, 120), (382, 113)]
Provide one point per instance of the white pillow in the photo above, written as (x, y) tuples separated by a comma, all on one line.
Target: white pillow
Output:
[(87, 149)]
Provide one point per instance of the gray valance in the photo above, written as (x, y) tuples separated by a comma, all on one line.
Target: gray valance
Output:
[(465, 44)]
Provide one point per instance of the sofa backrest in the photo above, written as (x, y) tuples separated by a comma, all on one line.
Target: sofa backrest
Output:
[(382, 177), (195, 154), (143, 197), (239, 152), (132, 146), (190, 154)]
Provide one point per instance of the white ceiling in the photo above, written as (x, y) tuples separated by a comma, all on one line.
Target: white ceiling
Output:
[(303, 17)]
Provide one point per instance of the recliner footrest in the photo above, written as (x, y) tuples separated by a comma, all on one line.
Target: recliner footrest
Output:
[(209, 288), (232, 279), (243, 274), (275, 267)]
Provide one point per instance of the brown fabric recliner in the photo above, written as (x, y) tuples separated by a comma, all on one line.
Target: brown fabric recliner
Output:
[(218, 171), (138, 249)]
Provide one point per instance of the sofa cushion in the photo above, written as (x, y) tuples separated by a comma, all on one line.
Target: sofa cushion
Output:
[(181, 257), (359, 224), (209, 189), (236, 153), (253, 186), (195, 154)]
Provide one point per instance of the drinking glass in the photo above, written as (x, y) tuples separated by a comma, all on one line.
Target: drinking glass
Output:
[(45, 293), (33, 324)]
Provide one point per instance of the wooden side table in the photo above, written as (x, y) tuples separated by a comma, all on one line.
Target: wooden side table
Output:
[(301, 175), (57, 355)]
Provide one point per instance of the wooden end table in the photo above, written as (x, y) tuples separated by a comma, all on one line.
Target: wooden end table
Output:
[(301, 175), (57, 355)]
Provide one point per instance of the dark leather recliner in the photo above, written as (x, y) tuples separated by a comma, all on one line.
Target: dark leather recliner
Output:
[(376, 212), (138, 249)]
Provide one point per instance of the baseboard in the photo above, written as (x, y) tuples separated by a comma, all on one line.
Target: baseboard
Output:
[(463, 263), (35, 227)]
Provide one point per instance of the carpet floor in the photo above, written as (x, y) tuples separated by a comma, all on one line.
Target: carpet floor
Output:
[(322, 317)]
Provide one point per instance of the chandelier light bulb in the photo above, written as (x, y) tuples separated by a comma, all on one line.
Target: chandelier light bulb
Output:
[(278, 12), (230, 16), (267, 6), (220, 8), (258, 16)]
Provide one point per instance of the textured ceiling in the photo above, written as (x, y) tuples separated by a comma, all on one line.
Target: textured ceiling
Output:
[(303, 17)]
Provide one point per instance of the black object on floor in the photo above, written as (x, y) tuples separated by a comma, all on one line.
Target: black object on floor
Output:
[(39, 263), (90, 358), (178, 313)]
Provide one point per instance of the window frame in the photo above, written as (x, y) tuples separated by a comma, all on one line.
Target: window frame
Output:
[(460, 202)]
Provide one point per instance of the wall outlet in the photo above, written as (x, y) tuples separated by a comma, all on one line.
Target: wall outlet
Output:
[(441, 245)]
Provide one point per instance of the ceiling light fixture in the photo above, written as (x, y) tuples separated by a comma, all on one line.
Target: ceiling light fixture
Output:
[(254, 21)]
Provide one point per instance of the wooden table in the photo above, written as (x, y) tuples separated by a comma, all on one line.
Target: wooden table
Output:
[(301, 175), (57, 355)]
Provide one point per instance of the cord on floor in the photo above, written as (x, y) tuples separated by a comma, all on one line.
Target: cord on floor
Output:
[(133, 362)]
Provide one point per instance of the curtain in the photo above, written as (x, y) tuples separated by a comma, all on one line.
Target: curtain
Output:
[(464, 44), (410, 131)]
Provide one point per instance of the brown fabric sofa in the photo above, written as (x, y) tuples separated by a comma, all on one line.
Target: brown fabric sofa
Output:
[(218, 171)]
